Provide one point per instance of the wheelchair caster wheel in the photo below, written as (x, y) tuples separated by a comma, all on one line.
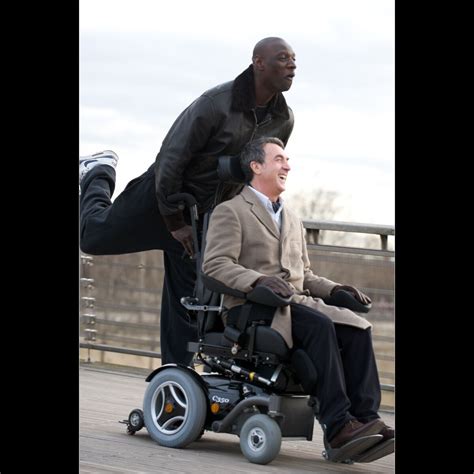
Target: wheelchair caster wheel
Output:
[(260, 439), (135, 421)]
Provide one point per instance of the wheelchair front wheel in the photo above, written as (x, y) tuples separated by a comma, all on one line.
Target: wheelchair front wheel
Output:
[(135, 421), (174, 408), (260, 439)]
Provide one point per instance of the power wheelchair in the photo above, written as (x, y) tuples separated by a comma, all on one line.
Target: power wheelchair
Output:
[(252, 384)]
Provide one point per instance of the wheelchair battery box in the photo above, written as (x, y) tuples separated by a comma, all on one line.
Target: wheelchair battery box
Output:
[(297, 415)]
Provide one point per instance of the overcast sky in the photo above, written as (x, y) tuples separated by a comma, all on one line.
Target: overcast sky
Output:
[(143, 61)]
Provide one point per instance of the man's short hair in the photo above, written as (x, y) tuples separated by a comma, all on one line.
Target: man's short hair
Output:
[(254, 151)]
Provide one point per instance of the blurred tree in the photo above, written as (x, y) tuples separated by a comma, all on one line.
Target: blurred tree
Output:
[(319, 205)]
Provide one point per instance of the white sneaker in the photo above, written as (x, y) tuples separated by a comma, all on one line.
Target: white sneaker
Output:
[(86, 163)]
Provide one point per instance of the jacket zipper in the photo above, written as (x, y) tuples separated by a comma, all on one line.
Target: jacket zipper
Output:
[(257, 125)]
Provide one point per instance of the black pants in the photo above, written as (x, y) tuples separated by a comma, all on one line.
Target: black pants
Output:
[(348, 384), (131, 224)]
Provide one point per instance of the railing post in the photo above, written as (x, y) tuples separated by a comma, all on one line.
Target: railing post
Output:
[(312, 236), (89, 303)]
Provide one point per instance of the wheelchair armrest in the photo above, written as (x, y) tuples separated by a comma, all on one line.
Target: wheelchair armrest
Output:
[(218, 287), (260, 294), (345, 299), (264, 295)]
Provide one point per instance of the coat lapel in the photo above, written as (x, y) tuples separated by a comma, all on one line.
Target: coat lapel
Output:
[(285, 226), (260, 212), (284, 233)]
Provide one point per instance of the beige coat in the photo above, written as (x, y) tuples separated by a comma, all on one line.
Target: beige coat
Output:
[(244, 243)]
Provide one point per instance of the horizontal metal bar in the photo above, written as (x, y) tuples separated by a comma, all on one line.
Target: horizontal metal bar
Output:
[(137, 266), (129, 341), (121, 350), (127, 307), (358, 250), (378, 291), (157, 355), (106, 284), (356, 227), (350, 259), (126, 324), (390, 358), (376, 337)]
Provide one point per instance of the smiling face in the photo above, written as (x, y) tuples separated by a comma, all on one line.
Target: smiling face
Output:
[(270, 177)]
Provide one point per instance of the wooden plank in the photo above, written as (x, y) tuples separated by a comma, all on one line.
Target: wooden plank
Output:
[(108, 396)]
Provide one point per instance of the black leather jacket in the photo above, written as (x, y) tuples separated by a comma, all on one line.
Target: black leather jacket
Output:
[(220, 122)]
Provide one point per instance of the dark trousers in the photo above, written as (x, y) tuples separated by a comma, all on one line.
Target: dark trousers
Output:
[(131, 224), (348, 384)]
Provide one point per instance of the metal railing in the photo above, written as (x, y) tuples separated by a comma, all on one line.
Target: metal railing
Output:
[(314, 228), (330, 255)]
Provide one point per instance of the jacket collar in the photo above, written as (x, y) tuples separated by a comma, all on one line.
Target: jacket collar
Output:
[(243, 95), (258, 209)]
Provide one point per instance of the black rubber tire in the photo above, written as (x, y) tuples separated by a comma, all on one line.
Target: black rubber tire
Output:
[(260, 439), (135, 420), (181, 393)]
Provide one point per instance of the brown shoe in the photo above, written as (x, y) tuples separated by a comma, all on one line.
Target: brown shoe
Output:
[(354, 429), (387, 432)]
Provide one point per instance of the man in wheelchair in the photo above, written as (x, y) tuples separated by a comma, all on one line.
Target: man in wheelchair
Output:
[(282, 343), (254, 241)]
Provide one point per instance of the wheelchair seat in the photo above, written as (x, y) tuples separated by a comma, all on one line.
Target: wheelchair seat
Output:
[(266, 340)]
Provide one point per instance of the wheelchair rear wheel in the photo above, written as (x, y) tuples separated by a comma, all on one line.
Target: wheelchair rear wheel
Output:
[(174, 408), (260, 439)]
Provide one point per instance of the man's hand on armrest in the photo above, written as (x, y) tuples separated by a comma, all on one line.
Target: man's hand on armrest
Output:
[(358, 295), (276, 284)]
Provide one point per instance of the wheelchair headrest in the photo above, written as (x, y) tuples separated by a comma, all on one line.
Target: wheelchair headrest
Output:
[(229, 170)]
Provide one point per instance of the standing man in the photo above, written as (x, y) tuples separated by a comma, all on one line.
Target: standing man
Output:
[(219, 122), (254, 239)]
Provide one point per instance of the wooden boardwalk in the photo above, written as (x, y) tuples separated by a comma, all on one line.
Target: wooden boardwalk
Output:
[(108, 395)]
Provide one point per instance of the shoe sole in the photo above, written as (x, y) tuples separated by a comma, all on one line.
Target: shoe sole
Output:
[(376, 452), (106, 153), (348, 451)]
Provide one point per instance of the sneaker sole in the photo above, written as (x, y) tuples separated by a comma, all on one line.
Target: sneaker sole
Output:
[(101, 154)]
